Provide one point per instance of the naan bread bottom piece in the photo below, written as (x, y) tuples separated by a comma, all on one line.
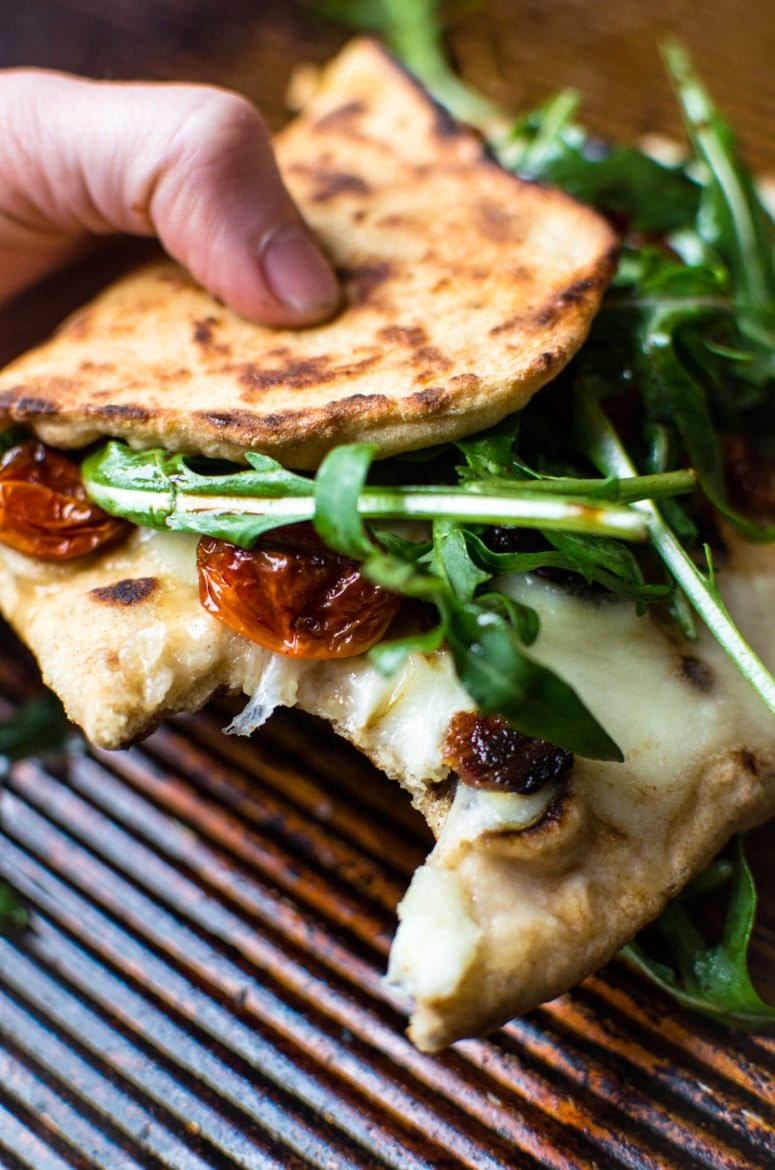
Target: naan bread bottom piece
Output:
[(522, 896)]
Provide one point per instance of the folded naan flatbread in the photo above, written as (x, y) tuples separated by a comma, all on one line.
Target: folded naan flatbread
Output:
[(466, 290)]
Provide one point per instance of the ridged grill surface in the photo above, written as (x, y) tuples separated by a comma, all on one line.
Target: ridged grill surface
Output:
[(201, 987)]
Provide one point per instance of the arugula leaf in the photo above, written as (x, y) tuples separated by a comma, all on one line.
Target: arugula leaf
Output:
[(167, 493), (241, 529), (731, 217), (491, 453), (609, 563), (13, 914), (522, 618), (548, 145), (665, 313), (338, 486), (412, 30), (389, 657), (608, 453), (143, 477), (38, 728), (711, 979), (453, 562), (515, 562), (503, 680)]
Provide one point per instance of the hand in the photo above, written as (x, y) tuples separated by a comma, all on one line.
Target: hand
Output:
[(190, 164)]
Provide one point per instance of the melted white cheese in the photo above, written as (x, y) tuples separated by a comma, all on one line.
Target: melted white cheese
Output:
[(629, 673), (277, 686), (437, 939), (476, 811)]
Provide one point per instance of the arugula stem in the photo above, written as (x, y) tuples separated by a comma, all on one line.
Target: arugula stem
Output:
[(530, 508), (163, 492), (711, 140), (625, 302), (616, 491), (610, 456), (529, 157), (414, 35), (546, 511)]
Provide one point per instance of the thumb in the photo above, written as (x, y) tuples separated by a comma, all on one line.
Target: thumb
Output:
[(191, 164)]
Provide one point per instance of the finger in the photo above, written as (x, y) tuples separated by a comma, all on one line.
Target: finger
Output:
[(191, 164)]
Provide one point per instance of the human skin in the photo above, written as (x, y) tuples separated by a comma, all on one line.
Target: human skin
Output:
[(190, 164)]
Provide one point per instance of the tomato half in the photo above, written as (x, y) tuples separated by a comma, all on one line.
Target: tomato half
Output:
[(293, 595), (44, 509), (487, 752)]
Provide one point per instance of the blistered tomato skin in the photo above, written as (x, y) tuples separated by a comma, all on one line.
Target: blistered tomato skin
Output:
[(293, 595), (487, 752), (44, 509)]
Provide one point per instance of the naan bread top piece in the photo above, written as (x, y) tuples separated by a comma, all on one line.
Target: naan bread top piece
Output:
[(465, 289)]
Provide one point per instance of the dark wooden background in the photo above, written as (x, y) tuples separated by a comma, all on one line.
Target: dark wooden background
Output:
[(518, 51), (297, 821)]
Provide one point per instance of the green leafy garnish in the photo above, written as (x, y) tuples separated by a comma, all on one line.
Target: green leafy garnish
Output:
[(38, 728), (700, 590), (731, 217), (338, 486), (412, 30), (711, 979), (549, 145), (13, 915), (158, 490)]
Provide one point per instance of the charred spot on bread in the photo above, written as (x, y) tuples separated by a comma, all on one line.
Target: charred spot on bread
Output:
[(362, 280), (123, 410), (331, 184), (203, 334), (129, 591), (23, 405), (697, 672), (749, 762), (341, 118)]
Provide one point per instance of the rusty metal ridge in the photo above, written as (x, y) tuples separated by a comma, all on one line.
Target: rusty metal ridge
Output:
[(202, 987)]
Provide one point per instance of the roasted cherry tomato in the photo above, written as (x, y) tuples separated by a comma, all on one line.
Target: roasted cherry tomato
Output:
[(293, 595), (487, 752), (44, 509)]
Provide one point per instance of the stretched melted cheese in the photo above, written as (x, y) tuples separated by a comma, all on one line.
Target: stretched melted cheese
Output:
[(522, 895)]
